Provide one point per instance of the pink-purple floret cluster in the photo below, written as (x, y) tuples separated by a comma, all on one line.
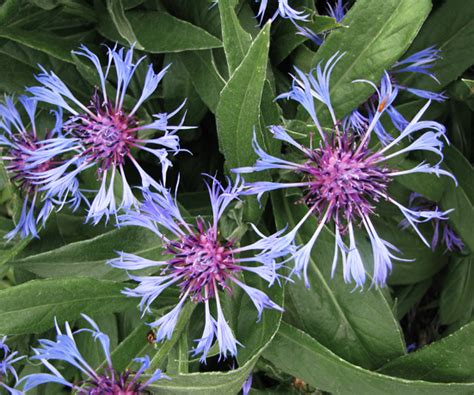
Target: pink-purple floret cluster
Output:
[(341, 176)]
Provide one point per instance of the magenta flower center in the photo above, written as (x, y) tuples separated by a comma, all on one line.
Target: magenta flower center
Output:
[(116, 384), (20, 167), (108, 135), (202, 262), (344, 180)]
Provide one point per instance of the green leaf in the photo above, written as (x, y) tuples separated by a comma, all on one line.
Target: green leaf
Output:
[(300, 355), (238, 111), (135, 344), (358, 326), (378, 33), (448, 360), (46, 42), (86, 258), (217, 383), (159, 32), (286, 39), (236, 40), (409, 295), (457, 295), (424, 262), (32, 307), (9, 9), (117, 13), (178, 87), (251, 332), (165, 347), (450, 29), (10, 249), (15, 75), (208, 383), (460, 198), (429, 185), (204, 75)]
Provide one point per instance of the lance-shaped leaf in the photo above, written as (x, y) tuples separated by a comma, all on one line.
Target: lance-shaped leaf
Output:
[(378, 33)]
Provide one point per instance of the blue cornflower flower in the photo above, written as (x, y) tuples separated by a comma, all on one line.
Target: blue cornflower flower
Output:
[(7, 359), (26, 156), (201, 264), (105, 133), (443, 233), (420, 63), (343, 178), (107, 381), (284, 10)]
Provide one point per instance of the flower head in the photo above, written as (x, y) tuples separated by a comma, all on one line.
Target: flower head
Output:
[(7, 359), (105, 133), (343, 178), (105, 381), (27, 155), (201, 264)]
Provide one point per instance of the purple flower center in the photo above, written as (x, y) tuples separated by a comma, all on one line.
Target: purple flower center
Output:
[(108, 135), (115, 384), (21, 169), (344, 180), (201, 262)]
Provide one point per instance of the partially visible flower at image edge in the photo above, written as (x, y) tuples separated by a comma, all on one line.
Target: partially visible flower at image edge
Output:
[(7, 360), (105, 133), (201, 264), (97, 381), (344, 178), (27, 154)]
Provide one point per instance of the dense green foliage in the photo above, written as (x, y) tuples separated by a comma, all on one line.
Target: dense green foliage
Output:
[(330, 338)]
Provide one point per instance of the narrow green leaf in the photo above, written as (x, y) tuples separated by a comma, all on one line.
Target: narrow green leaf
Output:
[(159, 32), (236, 40), (9, 9), (457, 295), (300, 355), (117, 13), (46, 42), (165, 347), (238, 111), (86, 258), (450, 29), (446, 361), (378, 33), (32, 307), (134, 345), (178, 355), (205, 77)]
